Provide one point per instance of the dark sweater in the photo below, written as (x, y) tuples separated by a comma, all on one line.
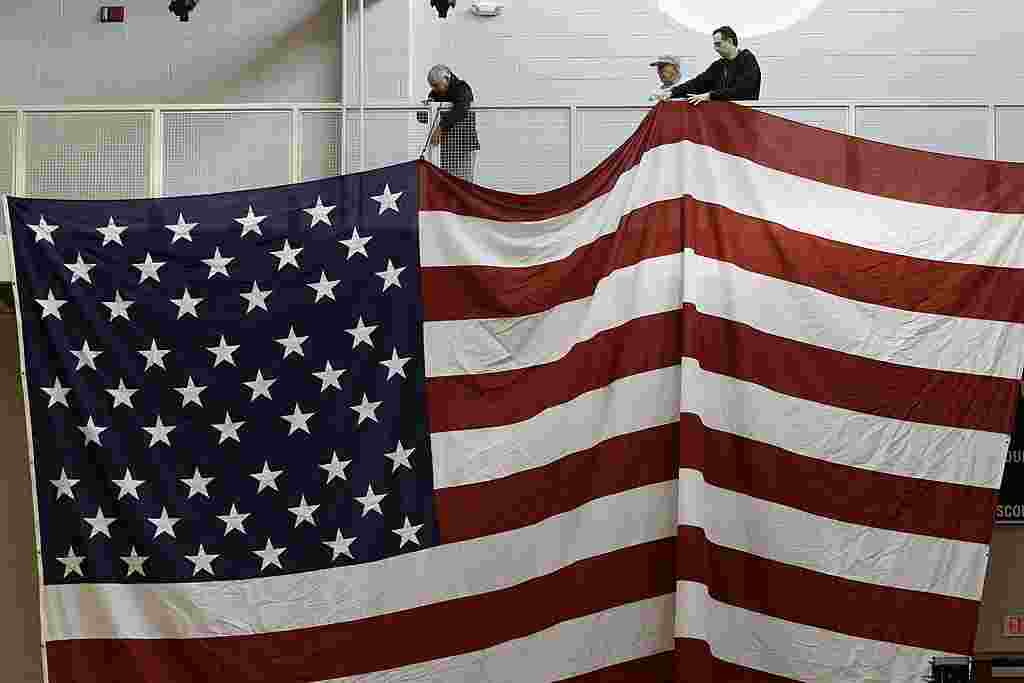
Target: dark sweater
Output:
[(726, 79), (459, 118)]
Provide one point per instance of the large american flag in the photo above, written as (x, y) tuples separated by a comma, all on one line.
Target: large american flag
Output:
[(732, 407)]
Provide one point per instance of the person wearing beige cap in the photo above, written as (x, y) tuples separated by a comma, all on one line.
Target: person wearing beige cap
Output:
[(670, 73)]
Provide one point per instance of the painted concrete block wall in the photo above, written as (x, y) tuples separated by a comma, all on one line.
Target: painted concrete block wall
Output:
[(583, 51), (55, 52)]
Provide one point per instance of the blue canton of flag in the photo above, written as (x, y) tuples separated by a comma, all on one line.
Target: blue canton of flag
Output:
[(226, 386)]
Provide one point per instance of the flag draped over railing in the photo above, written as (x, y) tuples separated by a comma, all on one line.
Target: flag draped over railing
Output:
[(732, 407)]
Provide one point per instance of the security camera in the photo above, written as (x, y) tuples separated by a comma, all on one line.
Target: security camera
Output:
[(182, 8), (442, 6)]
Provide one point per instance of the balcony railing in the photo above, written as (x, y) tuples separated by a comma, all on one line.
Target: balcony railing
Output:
[(115, 152)]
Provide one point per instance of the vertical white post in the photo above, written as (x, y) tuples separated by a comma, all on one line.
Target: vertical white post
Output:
[(851, 119), (993, 141), (295, 148), (362, 85), (21, 156), (156, 154), (572, 143)]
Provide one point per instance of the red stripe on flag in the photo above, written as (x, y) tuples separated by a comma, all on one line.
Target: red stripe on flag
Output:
[(840, 492), (696, 664), (417, 635), (852, 272), (833, 603), (465, 292), (614, 466), (498, 398), (654, 669), (848, 381), (787, 146), (756, 245)]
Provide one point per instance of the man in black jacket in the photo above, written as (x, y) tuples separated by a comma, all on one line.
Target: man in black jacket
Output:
[(736, 76), (456, 128)]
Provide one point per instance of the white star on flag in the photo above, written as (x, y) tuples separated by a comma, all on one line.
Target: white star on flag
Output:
[(387, 200), (304, 513), (187, 305), (44, 231), (197, 484), (148, 269), (118, 307), (399, 457), (190, 393), (72, 563), (260, 386), (395, 366), (159, 432), (367, 409), (298, 420), (234, 520), (320, 213), (228, 429), (122, 395), (371, 501), (134, 562), (356, 244), (100, 524), (223, 351), (292, 343), (218, 264), (361, 333), (287, 256), (270, 555), (86, 357), (256, 297), (250, 223), (111, 232), (164, 524), (202, 560), (329, 377), (181, 229), (154, 356), (336, 468), (57, 393), (129, 485), (64, 485), (92, 432), (80, 270), (340, 546), (324, 288), (267, 477), (408, 533), (390, 276), (51, 305)]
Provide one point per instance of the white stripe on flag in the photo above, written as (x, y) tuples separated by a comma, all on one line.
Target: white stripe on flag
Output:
[(574, 647), (684, 168), (784, 534), (811, 316), (845, 437), (459, 347), (640, 401), (347, 593), (792, 650)]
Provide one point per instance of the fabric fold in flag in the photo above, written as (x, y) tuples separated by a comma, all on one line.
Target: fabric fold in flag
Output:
[(735, 405)]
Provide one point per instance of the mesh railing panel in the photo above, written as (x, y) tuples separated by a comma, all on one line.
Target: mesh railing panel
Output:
[(87, 155), (220, 151)]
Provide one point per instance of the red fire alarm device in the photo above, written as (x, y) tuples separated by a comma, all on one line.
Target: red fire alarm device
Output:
[(111, 15)]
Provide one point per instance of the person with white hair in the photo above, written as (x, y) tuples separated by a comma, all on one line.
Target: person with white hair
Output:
[(456, 129), (670, 73)]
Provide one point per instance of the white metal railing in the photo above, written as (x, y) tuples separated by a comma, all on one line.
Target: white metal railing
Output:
[(570, 140)]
